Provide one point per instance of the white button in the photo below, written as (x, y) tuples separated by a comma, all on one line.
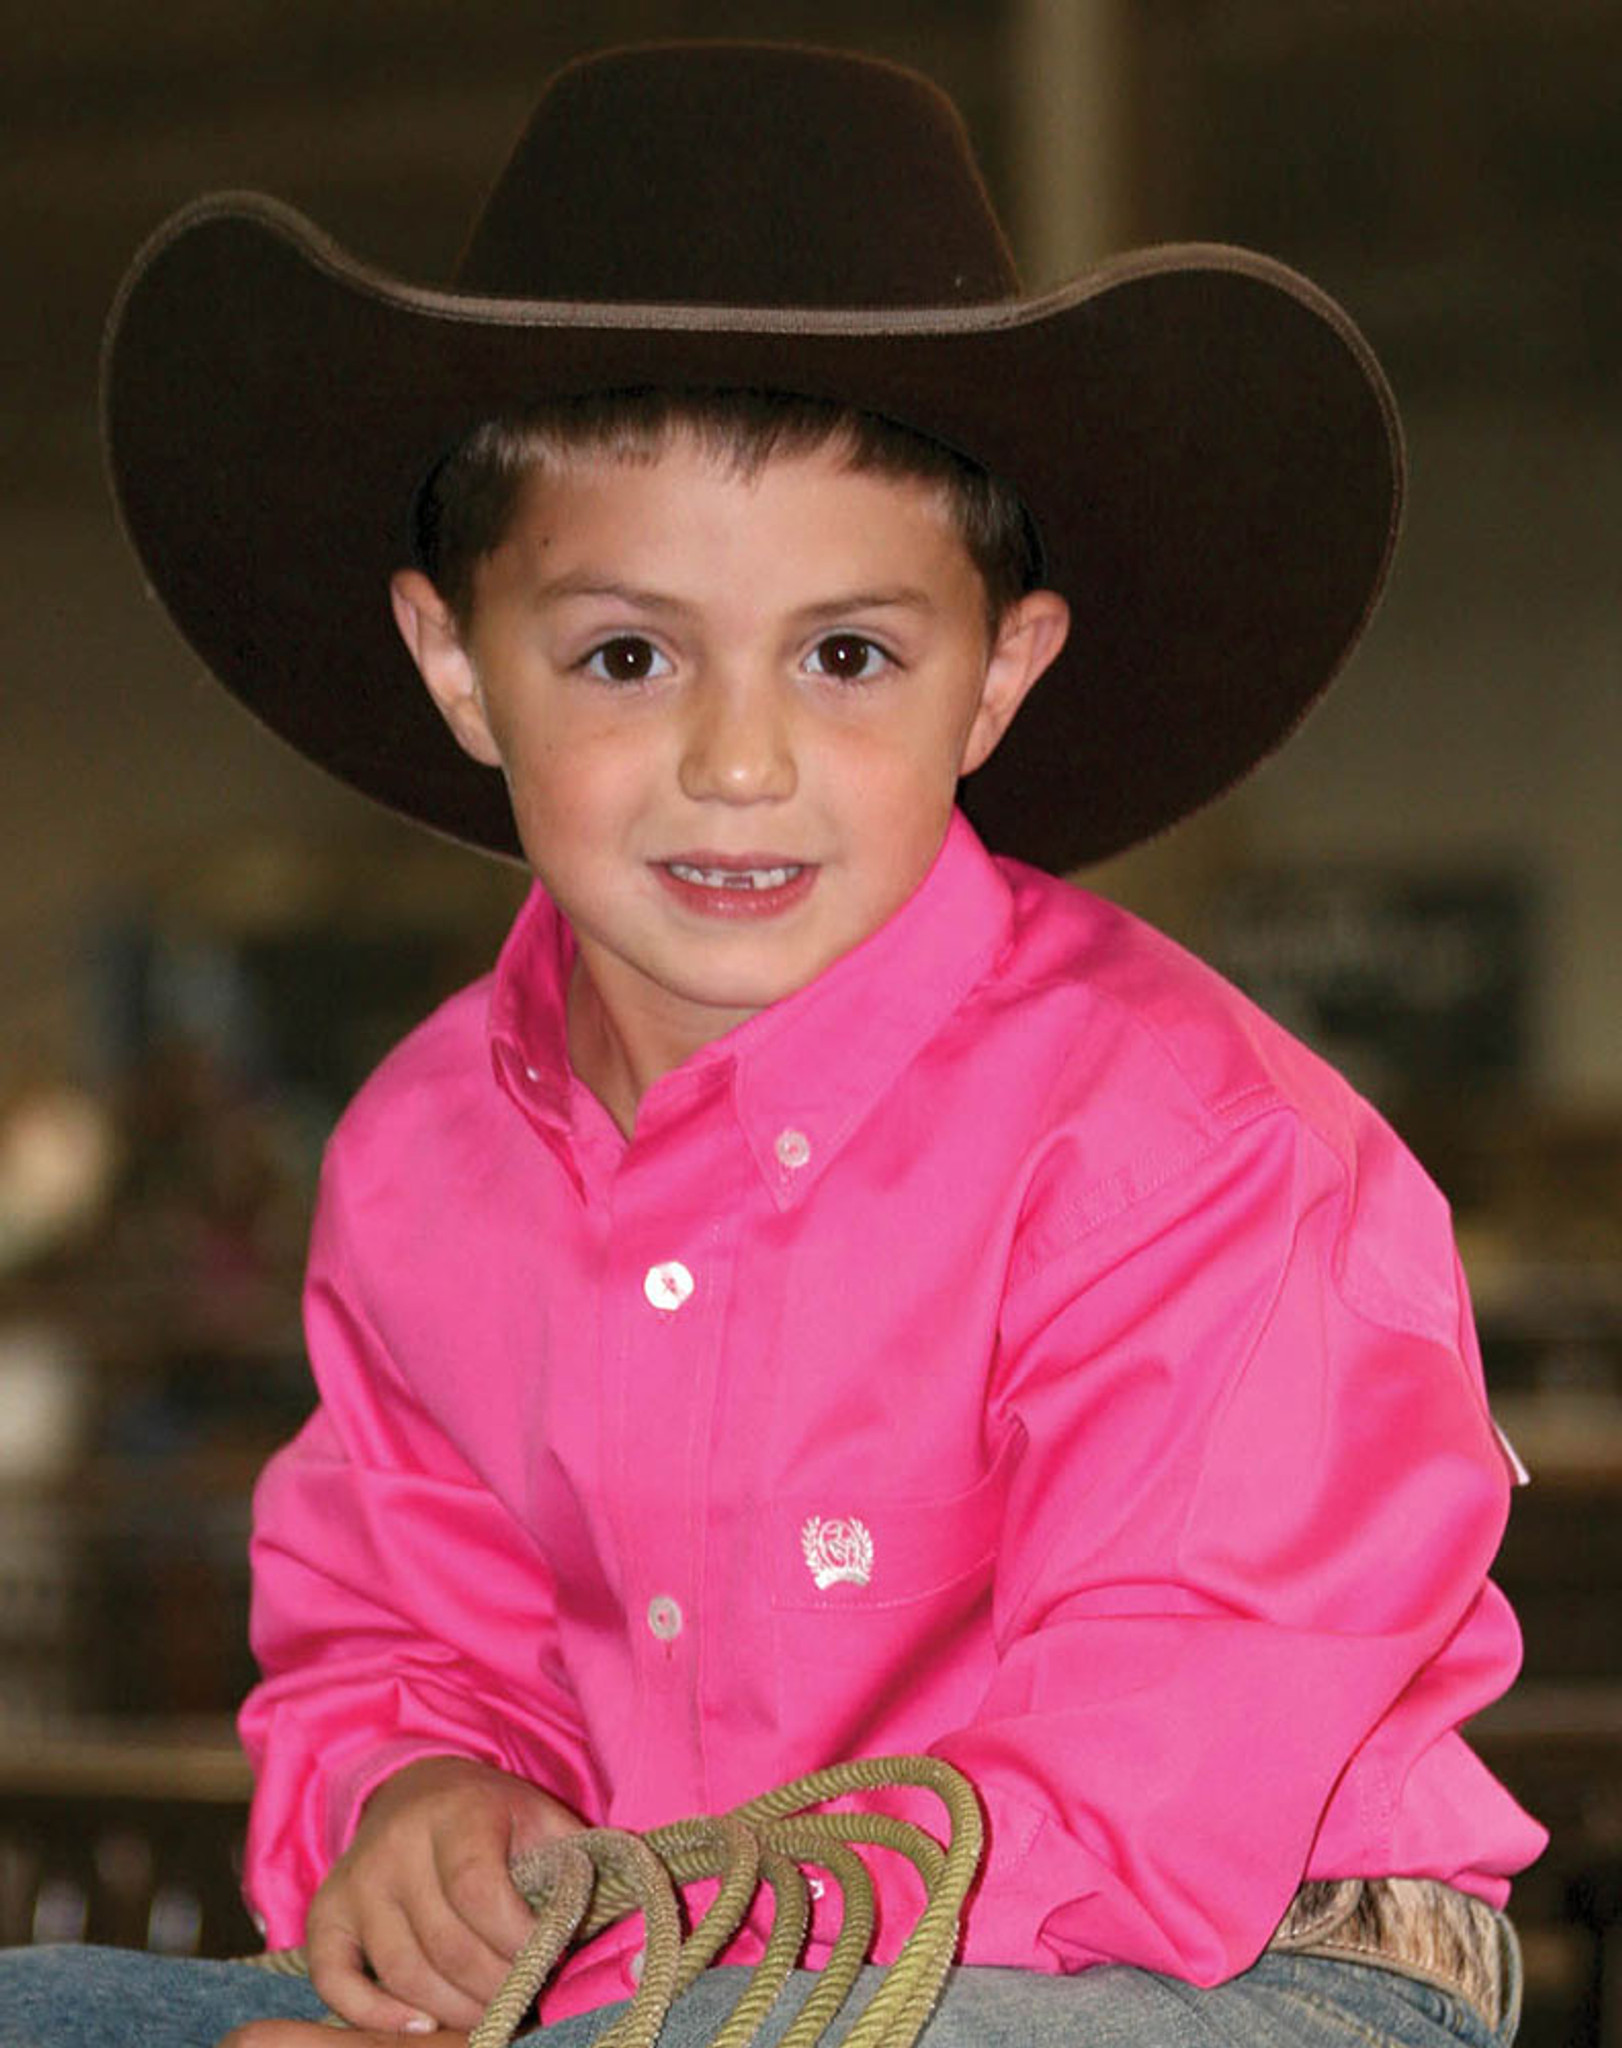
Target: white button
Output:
[(668, 1285), (793, 1149), (532, 1073), (636, 1964), (664, 1617)]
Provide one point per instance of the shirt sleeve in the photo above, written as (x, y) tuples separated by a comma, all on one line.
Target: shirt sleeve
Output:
[(398, 1608), (1256, 1502)]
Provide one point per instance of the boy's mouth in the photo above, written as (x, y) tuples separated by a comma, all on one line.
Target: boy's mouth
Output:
[(758, 885)]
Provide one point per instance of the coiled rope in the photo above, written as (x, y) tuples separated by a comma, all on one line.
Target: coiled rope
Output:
[(583, 1883)]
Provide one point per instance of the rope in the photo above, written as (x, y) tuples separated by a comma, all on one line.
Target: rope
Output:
[(583, 1883)]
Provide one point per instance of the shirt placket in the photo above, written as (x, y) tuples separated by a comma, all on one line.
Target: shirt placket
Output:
[(667, 1298)]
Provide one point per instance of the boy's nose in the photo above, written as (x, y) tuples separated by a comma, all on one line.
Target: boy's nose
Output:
[(737, 748)]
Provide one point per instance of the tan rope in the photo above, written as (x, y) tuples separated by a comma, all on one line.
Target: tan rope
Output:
[(582, 1883)]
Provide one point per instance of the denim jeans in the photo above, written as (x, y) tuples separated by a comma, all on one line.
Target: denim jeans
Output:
[(120, 1998)]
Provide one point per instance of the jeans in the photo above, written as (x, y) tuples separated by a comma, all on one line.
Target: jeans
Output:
[(121, 1998)]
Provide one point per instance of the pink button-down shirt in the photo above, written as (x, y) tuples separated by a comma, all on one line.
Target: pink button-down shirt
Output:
[(1012, 1346)]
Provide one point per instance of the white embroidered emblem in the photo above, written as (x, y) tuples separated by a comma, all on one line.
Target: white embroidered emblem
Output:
[(838, 1551)]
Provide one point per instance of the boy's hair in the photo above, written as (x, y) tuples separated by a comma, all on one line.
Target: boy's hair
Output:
[(465, 506)]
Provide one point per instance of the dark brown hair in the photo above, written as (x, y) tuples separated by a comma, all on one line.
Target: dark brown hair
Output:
[(464, 508)]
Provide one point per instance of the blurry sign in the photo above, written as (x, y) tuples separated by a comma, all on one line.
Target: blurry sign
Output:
[(1407, 979)]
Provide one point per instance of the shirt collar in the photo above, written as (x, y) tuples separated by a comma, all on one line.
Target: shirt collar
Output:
[(529, 1015), (806, 1070)]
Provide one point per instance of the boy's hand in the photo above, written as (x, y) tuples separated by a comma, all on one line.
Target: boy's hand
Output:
[(422, 1896), (315, 2034)]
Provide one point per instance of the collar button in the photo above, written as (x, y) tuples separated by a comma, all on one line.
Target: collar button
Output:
[(793, 1149)]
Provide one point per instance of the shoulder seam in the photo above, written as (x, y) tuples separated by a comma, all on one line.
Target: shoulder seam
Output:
[(1075, 1217)]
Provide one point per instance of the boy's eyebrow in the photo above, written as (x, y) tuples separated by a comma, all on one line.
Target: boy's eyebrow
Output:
[(585, 584), (903, 597)]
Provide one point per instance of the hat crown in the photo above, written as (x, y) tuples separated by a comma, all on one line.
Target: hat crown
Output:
[(740, 175)]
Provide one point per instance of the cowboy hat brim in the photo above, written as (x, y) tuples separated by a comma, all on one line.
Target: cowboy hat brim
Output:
[(1205, 442)]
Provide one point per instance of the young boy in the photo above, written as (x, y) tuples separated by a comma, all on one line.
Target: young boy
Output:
[(831, 1292)]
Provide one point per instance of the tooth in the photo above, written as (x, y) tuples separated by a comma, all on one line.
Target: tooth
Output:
[(734, 878)]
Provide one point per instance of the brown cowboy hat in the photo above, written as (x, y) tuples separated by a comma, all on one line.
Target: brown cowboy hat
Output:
[(1205, 442)]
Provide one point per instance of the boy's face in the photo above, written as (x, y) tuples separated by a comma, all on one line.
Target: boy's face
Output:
[(731, 713)]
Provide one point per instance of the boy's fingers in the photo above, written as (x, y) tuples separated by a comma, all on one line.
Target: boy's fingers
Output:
[(432, 1957), (312, 2034), (490, 1906), (337, 1966)]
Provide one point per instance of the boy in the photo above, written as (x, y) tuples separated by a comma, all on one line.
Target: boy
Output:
[(882, 1299)]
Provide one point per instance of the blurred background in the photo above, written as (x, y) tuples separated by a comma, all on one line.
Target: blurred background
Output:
[(204, 945)]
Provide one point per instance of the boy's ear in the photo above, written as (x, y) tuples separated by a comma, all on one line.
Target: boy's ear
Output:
[(434, 644), (1028, 641)]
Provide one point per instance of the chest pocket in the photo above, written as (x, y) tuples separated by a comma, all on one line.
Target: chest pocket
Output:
[(854, 1552)]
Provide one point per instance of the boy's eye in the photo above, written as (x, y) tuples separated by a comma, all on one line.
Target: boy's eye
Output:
[(847, 657), (627, 658)]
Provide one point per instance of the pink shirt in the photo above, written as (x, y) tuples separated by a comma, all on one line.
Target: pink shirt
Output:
[(1012, 1346)]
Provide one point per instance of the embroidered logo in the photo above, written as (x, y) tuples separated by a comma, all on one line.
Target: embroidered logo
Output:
[(838, 1551)]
